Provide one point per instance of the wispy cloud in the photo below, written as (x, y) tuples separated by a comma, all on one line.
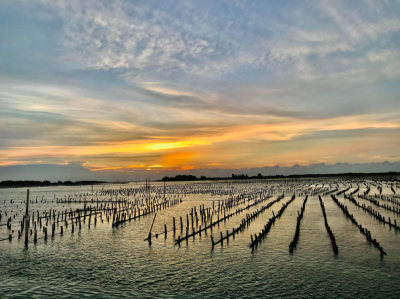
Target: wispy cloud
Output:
[(180, 84)]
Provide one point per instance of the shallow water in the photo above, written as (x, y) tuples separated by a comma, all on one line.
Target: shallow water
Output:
[(117, 263)]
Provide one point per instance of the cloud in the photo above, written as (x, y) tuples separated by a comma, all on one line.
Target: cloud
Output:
[(121, 83), (155, 86)]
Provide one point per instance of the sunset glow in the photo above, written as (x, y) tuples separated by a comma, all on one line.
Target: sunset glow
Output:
[(117, 89)]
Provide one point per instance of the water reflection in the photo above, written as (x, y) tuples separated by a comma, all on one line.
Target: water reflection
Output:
[(117, 262)]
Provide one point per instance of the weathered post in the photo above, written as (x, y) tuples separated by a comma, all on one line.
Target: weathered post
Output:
[(149, 237), (26, 217)]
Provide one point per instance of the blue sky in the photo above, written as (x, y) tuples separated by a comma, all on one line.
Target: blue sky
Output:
[(179, 85)]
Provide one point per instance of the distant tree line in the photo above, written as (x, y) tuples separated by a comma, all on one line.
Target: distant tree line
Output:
[(184, 177), (19, 184), (279, 176), (245, 176)]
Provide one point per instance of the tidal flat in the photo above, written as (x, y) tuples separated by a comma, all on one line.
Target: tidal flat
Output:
[(96, 243)]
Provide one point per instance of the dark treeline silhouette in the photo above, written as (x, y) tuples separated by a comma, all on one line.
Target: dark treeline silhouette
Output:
[(292, 176), (239, 176), (184, 177), (245, 176), (19, 184), (347, 174)]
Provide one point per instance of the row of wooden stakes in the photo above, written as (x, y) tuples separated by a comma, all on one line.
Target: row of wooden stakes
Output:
[(293, 244), (363, 230), (374, 213), (332, 237), (258, 238), (210, 226), (383, 206)]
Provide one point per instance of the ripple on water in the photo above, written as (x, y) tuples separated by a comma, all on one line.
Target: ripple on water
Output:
[(102, 262)]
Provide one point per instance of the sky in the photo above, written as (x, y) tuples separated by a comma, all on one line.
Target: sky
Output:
[(134, 89)]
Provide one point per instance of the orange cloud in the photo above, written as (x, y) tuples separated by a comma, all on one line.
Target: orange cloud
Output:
[(99, 168), (200, 148), (172, 145), (177, 159), (187, 168)]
